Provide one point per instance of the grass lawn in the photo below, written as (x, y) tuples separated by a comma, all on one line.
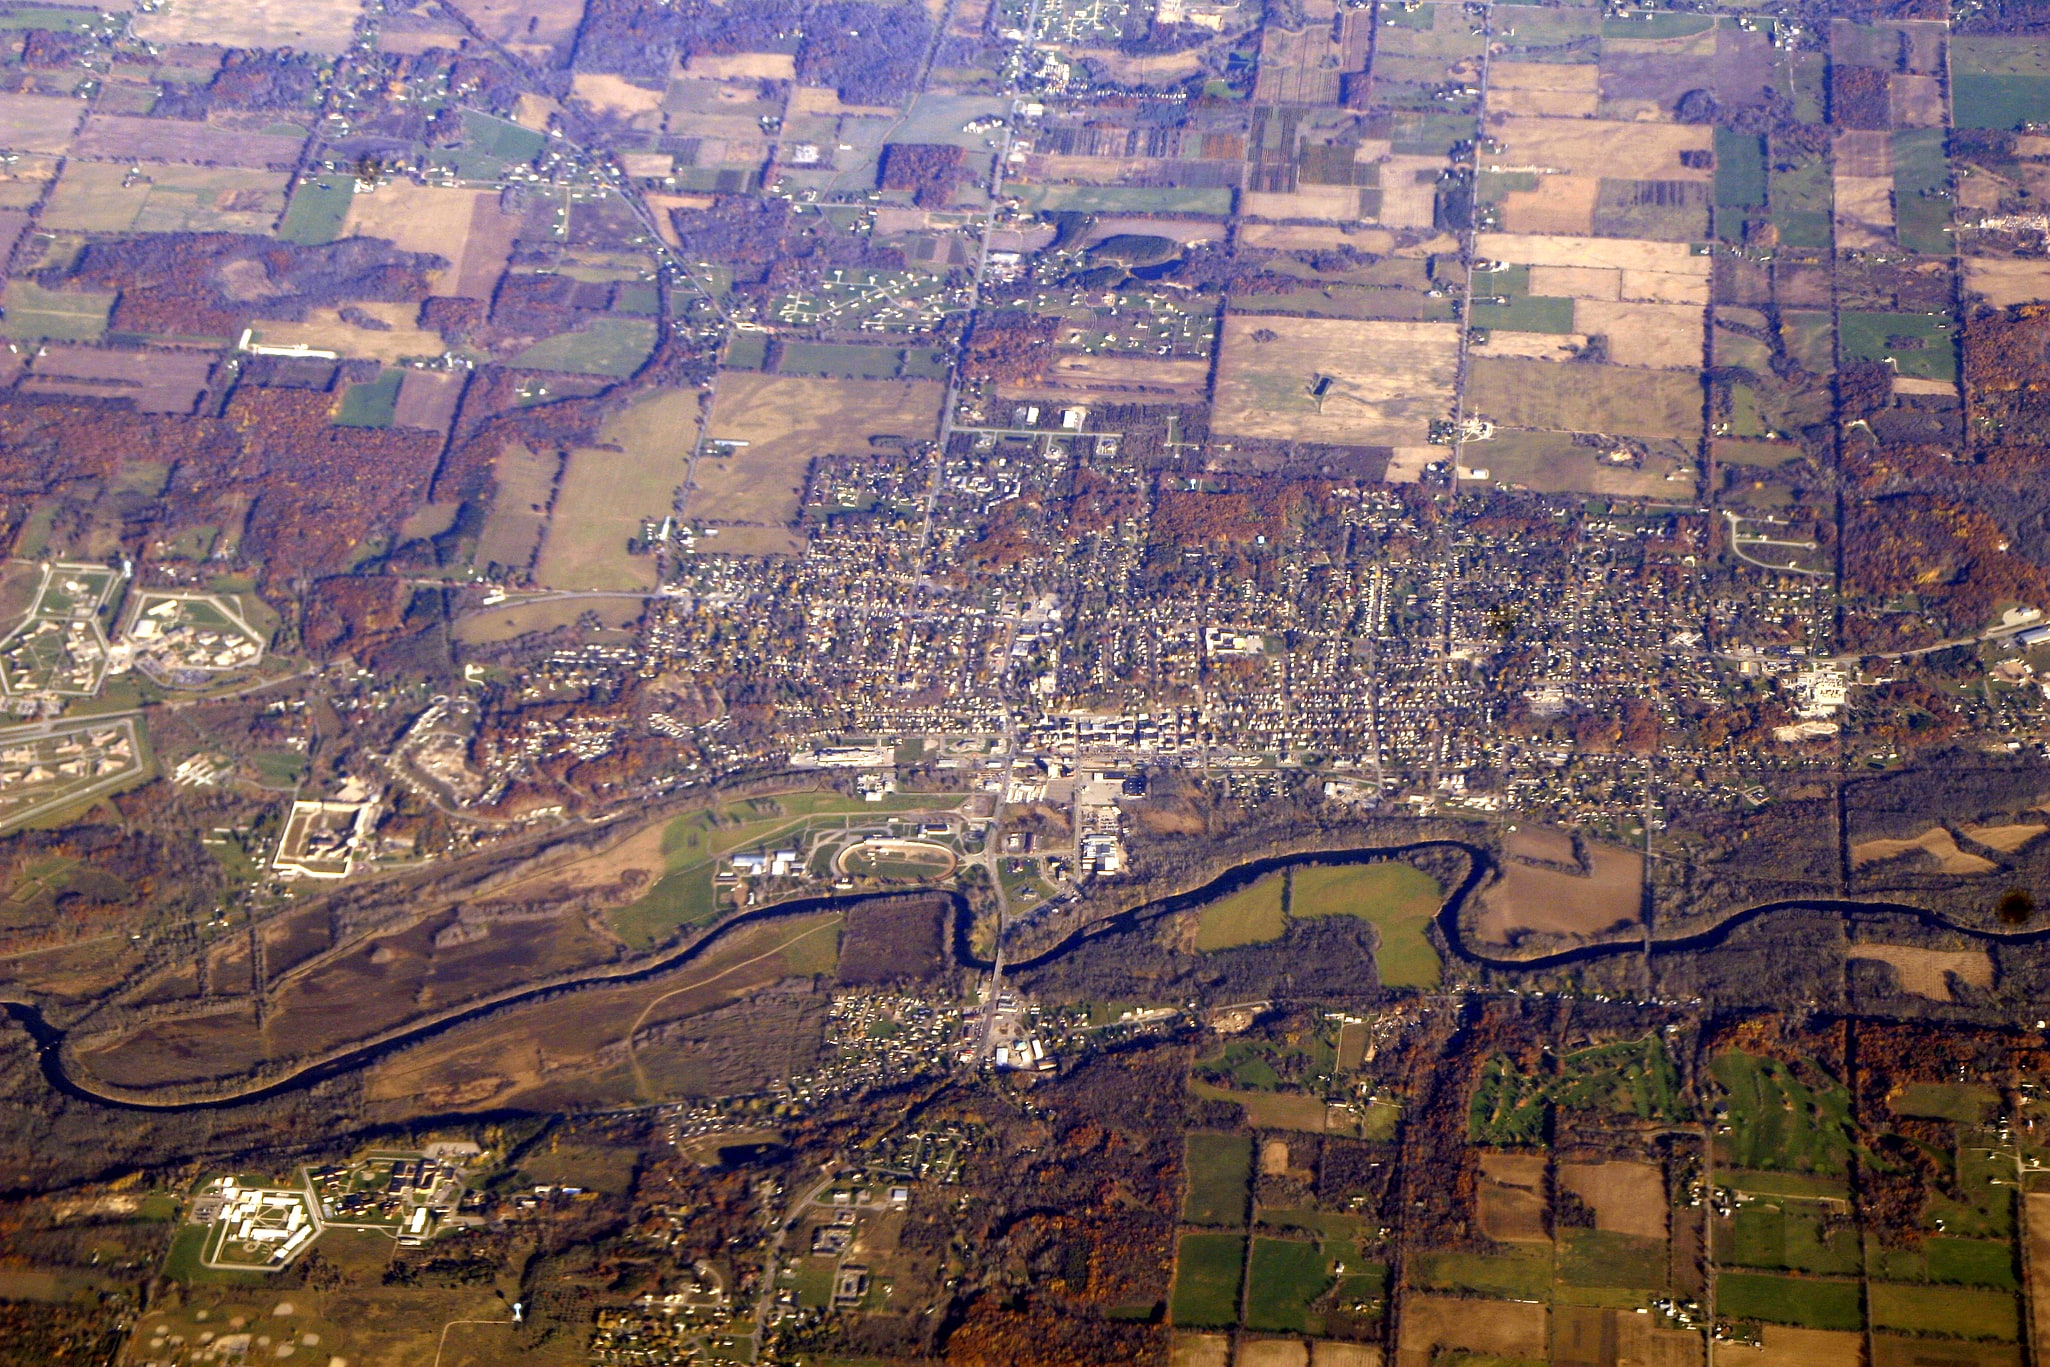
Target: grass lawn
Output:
[(1919, 345), (1206, 1279), (1220, 1167), (1287, 1277), (1788, 1300)]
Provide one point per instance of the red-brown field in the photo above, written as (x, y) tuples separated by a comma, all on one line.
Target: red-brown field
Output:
[(156, 381), (119, 137)]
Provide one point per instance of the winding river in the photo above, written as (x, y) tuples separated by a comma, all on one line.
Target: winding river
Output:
[(50, 1040)]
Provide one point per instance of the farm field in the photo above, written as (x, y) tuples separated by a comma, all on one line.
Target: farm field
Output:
[(1219, 1167), (609, 492), (764, 431), (1322, 379)]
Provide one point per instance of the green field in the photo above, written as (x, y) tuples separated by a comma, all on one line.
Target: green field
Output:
[(1523, 1273), (840, 360), (1761, 1235), (1288, 1276), (1954, 1262), (1802, 199), (500, 139), (1962, 1103), (372, 404), (37, 314), (2006, 54), (1125, 199), (1220, 1169), (1953, 1311), (57, 20), (1806, 1302), (1921, 190), (1600, 1257), (1398, 898), (317, 209), (615, 347), (1206, 1279), (1777, 1121), (2000, 101), (1526, 313), (1655, 24), (1919, 345), (1250, 916), (747, 351), (1739, 170)]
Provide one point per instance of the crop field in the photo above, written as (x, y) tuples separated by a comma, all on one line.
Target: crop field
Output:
[(323, 26), (1493, 1331), (1313, 379), (1626, 1197), (1955, 1262), (1999, 101), (121, 137), (318, 211), (427, 399), (1208, 1268), (2003, 282), (1805, 1301), (38, 123), (609, 346), (454, 224), (608, 492), (1605, 399), (195, 199), (765, 430), (156, 381), (1926, 972), (1512, 1197), (34, 312), (1791, 1236), (525, 483), (1949, 1311), (1551, 902), (1523, 1272), (1219, 1169)]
